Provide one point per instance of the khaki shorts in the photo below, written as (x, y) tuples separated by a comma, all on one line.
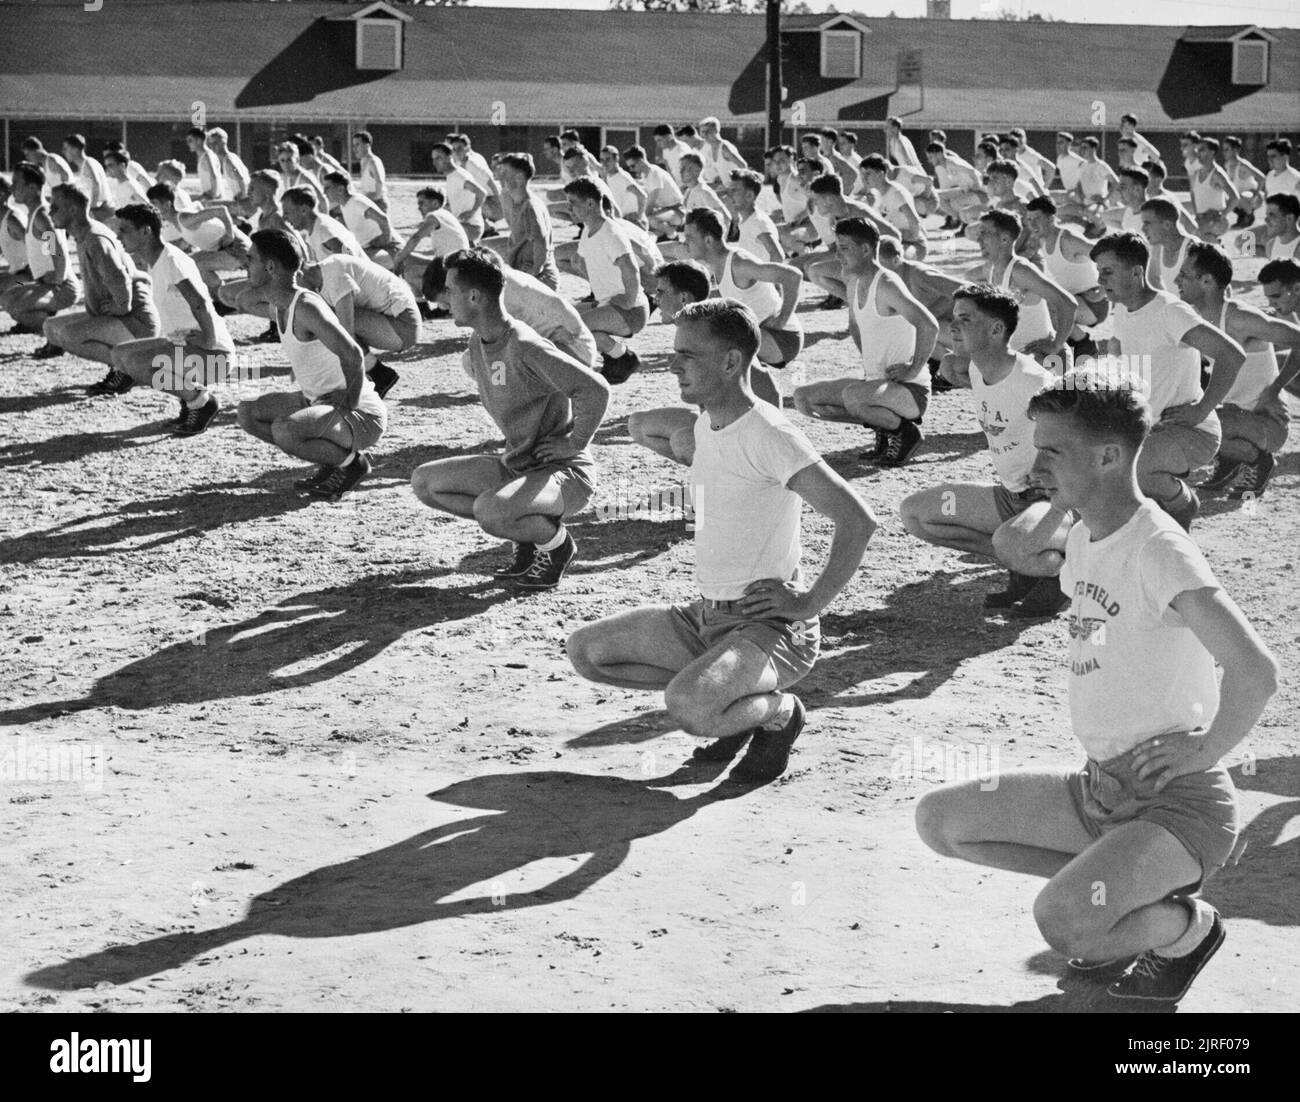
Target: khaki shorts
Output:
[(1266, 428), (634, 319), (1011, 504), (574, 479), (366, 423), (1199, 809), (791, 646), (1198, 443), (921, 393), (789, 342)]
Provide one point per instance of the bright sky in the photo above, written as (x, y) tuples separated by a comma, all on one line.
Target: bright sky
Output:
[(1272, 13)]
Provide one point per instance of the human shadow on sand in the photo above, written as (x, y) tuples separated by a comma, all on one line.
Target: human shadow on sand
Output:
[(75, 446), (350, 623), (530, 816)]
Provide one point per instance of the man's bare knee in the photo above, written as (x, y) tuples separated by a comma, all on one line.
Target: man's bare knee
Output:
[(1065, 922), (934, 819)]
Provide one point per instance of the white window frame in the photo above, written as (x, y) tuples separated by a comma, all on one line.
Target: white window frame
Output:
[(362, 25), (857, 53), (1236, 61)]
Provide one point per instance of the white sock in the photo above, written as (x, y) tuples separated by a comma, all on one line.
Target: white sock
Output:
[(616, 349), (348, 461), (370, 360), (556, 541), (782, 714), (1198, 929)]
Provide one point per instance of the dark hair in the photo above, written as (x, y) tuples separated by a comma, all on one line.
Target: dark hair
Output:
[(520, 162), (894, 120), (1154, 167), (1285, 272), (570, 135), (432, 192), (1129, 117), (936, 147), (1103, 408), (1127, 142), (875, 162), (634, 153), (1210, 260), (750, 180), (119, 156), (336, 178), (576, 153), (1190, 135), (32, 173), (1232, 141), (989, 149), (33, 142), (1003, 221), (1279, 145), (1004, 168), (1286, 202), (663, 130), (728, 321), (459, 139), (434, 281), (1212, 144), (687, 131), (161, 193), (706, 221), (279, 246), (829, 132), (991, 302), (299, 196), (551, 142), (1042, 203), (1091, 142), (1128, 248), (141, 217), (940, 136), (196, 132), (76, 141), (828, 183), (691, 159), (364, 137), (849, 137), (584, 187), (859, 230), (478, 269), (1162, 209), (440, 147), (74, 193), (1136, 175), (1065, 135), (687, 277)]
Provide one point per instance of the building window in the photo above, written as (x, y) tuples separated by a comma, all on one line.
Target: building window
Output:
[(379, 44), (1250, 62), (841, 55)]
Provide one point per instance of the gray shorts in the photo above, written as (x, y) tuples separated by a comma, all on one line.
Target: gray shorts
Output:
[(366, 423), (789, 342), (1198, 443), (574, 479), (1199, 809), (1266, 429), (792, 646)]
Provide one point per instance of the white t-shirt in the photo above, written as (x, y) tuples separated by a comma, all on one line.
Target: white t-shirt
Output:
[(752, 229), (123, 192), (701, 195), (1136, 670), (621, 187), (1069, 166), (1003, 412), (93, 178), (175, 318), (747, 523), (479, 171), (1172, 375), (373, 177), (550, 314), (444, 233), (672, 156), (460, 200), (371, 287), (660, 188), (326, 228), (364, 229), (1282, 183), (600, 252), (896, 204)]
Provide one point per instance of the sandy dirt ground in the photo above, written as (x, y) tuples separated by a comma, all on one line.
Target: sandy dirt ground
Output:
[(266, 754)]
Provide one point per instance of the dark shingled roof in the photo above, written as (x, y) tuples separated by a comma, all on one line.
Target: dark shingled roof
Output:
[(150, 59)]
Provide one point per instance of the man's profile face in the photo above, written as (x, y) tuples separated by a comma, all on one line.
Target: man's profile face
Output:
[(1283, 300), (699, 363), (460, 299), (61, 211), (1067, 464), (671, 300)]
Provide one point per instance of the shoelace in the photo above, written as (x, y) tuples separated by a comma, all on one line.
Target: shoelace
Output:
[(1149, 966), (333, 480), (541, 564), (895, 446), (1250, 479)]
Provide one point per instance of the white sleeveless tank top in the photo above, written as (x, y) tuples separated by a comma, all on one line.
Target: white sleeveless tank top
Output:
[(315, 368), (14, 249), (1035, 319), (763, 298), (1170, 272), (1073, 275), (39, 259), (885, 339), (206, 237), (1207, 197), (1257, 372)]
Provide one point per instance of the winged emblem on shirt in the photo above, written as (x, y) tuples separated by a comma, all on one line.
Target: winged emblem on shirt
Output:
[(1085, 627)]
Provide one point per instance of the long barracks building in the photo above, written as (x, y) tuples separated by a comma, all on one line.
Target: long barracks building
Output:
[(141, 70)]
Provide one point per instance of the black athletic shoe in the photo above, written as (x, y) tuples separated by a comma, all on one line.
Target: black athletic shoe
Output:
[(938, 384), (1185, 514), (221, 309), (47, 351), (340, 480), (1044, 598), (1224, 475), (111, 385), (1255, 478), (15, 329), (873, 453), (769, 753), (831, 302), (314, 479), (271, 336), (621, 368), (383, 376), (901, 444), (1097, 970), (548, 567), (1018, 587), (519, 565), (1154, 978), (197, 418), (180, 417), (723, 749)]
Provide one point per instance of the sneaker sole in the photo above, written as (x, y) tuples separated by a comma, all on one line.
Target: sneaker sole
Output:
[(1218, 942), (1098, 970), (723, 749)]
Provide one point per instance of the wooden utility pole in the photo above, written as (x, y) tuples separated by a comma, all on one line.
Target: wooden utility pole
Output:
[(773, 73)]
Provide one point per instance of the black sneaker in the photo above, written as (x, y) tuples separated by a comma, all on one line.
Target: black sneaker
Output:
[(1154, 978), (1044, 598), (874, 452), (339, 480), (901, 444), (15, 329), (197, 418), (619, 369), (831, 302), (723, 749), (769, 753), (314, 479), (1099, 969), (1255, 478), (221, 309), (111, 385), (180, 417), (383, 376), (548, 567), (1018, 587), (47, 351), (519, 565), (1184, 514), (1224, 475), (271, 336)]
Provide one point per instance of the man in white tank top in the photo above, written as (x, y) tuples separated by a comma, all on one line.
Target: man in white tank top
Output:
[(49, 285), (1245, 177), (56, 169), (896, 336), (1162, 341), (294, 174), (1280, 282), (465, 198), (894, 204), (439, 227), (830, 205), (663, 209), (1252, 414), (89, 173), (1132, 193), (1066, 261), (1212, 192), (13, 243), (194, 352), (122, 187), (232, 171), (757, 233), (721, 157), (210, 234), (980, 518), (961, 193), (324, 235), (1164, 234), (118, 299), (335, 416), (373, 179), (725, 661), (364, 220), (771, 291), (630, 198)]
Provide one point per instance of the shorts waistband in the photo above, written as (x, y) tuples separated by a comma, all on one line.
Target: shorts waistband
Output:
[(722, 606)]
